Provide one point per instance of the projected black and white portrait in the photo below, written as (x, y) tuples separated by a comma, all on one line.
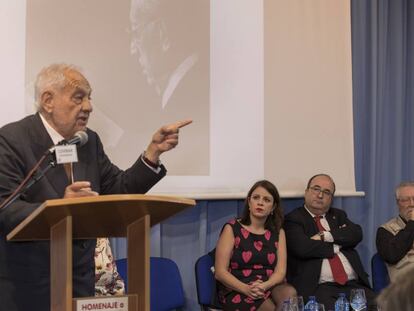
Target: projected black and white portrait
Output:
[(148, 61)]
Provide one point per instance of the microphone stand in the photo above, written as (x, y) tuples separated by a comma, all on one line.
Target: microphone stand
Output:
[(31, 179)]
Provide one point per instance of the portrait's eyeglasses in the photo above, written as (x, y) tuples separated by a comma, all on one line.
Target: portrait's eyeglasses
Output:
[(317, 190), (406, 200)]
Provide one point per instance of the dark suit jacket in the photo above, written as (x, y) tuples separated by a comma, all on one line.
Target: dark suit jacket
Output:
[(305, 255), (24, 266)]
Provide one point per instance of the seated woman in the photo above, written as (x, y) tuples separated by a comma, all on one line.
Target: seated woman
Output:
[(251, 255)]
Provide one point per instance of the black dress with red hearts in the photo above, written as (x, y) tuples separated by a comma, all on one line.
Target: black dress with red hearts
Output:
[(254, 257)]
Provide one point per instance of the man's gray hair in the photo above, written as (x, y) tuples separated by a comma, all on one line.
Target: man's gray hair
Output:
[(399, 294), (403, 185), (52, 76)]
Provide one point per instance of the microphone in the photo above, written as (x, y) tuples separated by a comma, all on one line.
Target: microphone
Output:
[(80, 138)]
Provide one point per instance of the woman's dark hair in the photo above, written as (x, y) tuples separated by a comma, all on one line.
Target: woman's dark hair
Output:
[(275, 220)]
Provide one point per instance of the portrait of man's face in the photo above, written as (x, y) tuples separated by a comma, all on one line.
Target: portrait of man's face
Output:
[(148, 62), (149, 42), (164, 43)]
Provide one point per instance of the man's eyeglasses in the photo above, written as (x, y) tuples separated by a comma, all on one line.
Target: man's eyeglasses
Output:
[(405, 200), (317, 190)]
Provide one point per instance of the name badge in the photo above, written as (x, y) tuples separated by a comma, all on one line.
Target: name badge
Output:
[(66, 154)]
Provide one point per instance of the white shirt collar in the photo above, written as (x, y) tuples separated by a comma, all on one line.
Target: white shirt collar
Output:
[(312, 214), (54, 135)]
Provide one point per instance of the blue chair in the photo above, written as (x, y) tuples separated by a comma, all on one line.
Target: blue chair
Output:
[(166, 288), (206, 283), (121, 266), (380, 277)]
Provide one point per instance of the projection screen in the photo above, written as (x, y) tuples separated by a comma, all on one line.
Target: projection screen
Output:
[(267, 83)]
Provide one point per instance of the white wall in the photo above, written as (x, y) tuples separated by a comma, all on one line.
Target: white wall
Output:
[(12, 54)]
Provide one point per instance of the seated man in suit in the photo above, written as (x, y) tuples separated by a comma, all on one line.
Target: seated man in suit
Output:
[(63, 97), (395, 239), (321, 241)]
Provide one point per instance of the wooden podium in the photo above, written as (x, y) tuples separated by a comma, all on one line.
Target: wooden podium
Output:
[(128, 216)]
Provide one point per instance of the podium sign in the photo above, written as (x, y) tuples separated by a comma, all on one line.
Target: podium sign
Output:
[(114, 303), (129, 216)]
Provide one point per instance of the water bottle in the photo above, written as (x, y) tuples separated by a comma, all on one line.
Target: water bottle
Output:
[(286, 305), (341, 303), (312, 304)]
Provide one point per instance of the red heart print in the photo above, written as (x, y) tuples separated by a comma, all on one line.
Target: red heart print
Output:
[(244, 232), (271, 258), (236, 299), (247, 272), (246, 256), (237, 241), (258, 245)]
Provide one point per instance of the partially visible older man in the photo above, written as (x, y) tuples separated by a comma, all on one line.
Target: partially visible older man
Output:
[(321, 241), (399, 294), (395, 239), (63, 97)]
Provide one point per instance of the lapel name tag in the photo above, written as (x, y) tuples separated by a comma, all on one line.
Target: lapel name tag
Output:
[(66, 154)]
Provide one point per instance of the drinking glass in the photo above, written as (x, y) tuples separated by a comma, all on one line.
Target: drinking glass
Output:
[(320, 307), (287, 306), (357, 299), (297, 302)]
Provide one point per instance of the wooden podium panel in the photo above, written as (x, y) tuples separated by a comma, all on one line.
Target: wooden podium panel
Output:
[(100, 216), (129, 216)]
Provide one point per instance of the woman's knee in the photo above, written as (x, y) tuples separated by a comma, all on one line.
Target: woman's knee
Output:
[(291, 291), (284, 291)]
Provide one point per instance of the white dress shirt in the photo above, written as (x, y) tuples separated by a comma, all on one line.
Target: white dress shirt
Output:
[(326, 272)]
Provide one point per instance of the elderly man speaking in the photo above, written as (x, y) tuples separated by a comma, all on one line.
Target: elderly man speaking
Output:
[(63, 97)]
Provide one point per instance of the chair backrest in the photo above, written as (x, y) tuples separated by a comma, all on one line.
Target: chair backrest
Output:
[(206, 283), (380, 277), (166, 287), (121, 266)]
